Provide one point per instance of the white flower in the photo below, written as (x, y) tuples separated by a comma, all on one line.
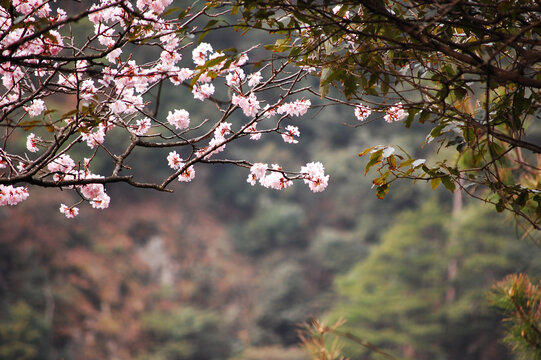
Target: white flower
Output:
[(36, 107), (180, 119)]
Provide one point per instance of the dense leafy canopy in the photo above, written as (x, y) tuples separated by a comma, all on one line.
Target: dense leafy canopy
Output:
[(470, 68)]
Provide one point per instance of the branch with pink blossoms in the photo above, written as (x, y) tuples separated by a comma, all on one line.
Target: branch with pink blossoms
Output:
[(66, 107)]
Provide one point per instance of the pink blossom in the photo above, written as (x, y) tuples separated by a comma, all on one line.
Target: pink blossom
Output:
[(107, 37), (21, 166), (10, 195), (259, 170), (36, 107), (218, 143), (202, 92), (114, 55), (118, 107), (158, 6), (362, 112), (296, 108), (243, 59), (91, 191), (252, 130), (222, 130), (395, 113), (94, 138), (199, 54), (254, 79), (174, 160), (314, 176), (142, 126), (101, 201), (290, 132), (275, 179), (268, 112), (170, 57), (248, 104), (204, 78), (178, 76), (32, 142), (235, 77), (53, 42), (62, 164), (187, 175), (69, 212), (180, 119), (26, 7), (88, 90)]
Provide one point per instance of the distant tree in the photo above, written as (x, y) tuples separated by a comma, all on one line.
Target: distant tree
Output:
[(471, 69), (422, 293), (519, 298)]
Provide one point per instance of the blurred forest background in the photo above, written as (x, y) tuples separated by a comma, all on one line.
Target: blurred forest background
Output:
[(221, 270)]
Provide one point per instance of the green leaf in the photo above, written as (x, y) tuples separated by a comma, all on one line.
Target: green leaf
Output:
[(435, 182), (500, 206), (411, 116), (392, 161), (29, 125), (382, 190), (522, 199), (406, 163), (448, 183), (366, 151), (425, 115), (374, 159)]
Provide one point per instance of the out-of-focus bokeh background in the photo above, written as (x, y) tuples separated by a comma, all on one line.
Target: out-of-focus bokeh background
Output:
[(222, 270)]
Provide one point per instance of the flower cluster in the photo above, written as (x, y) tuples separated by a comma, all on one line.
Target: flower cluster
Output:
[(179, 119), (314, 176), (291, 131), (312, 173), (362, 112), (176, 163), (249, 104), (270, 178), (395, 113), (296, 108), (10, 195), (115, 95)]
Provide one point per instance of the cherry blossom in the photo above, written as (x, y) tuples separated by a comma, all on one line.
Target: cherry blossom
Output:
[(199, 54), (252, 130), (395, 113), (10, 195), (235, 77), (35, 108), (362, 112), (69, 212), (142, 126), (101, 201), (109, 88), (187, 175), (32, 142), (314, 176), (254, 79), (290, 132), (276, 179), (257, 172), (180, 119), (296, 108), (202, 92), (174, 160), (249, 104)]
